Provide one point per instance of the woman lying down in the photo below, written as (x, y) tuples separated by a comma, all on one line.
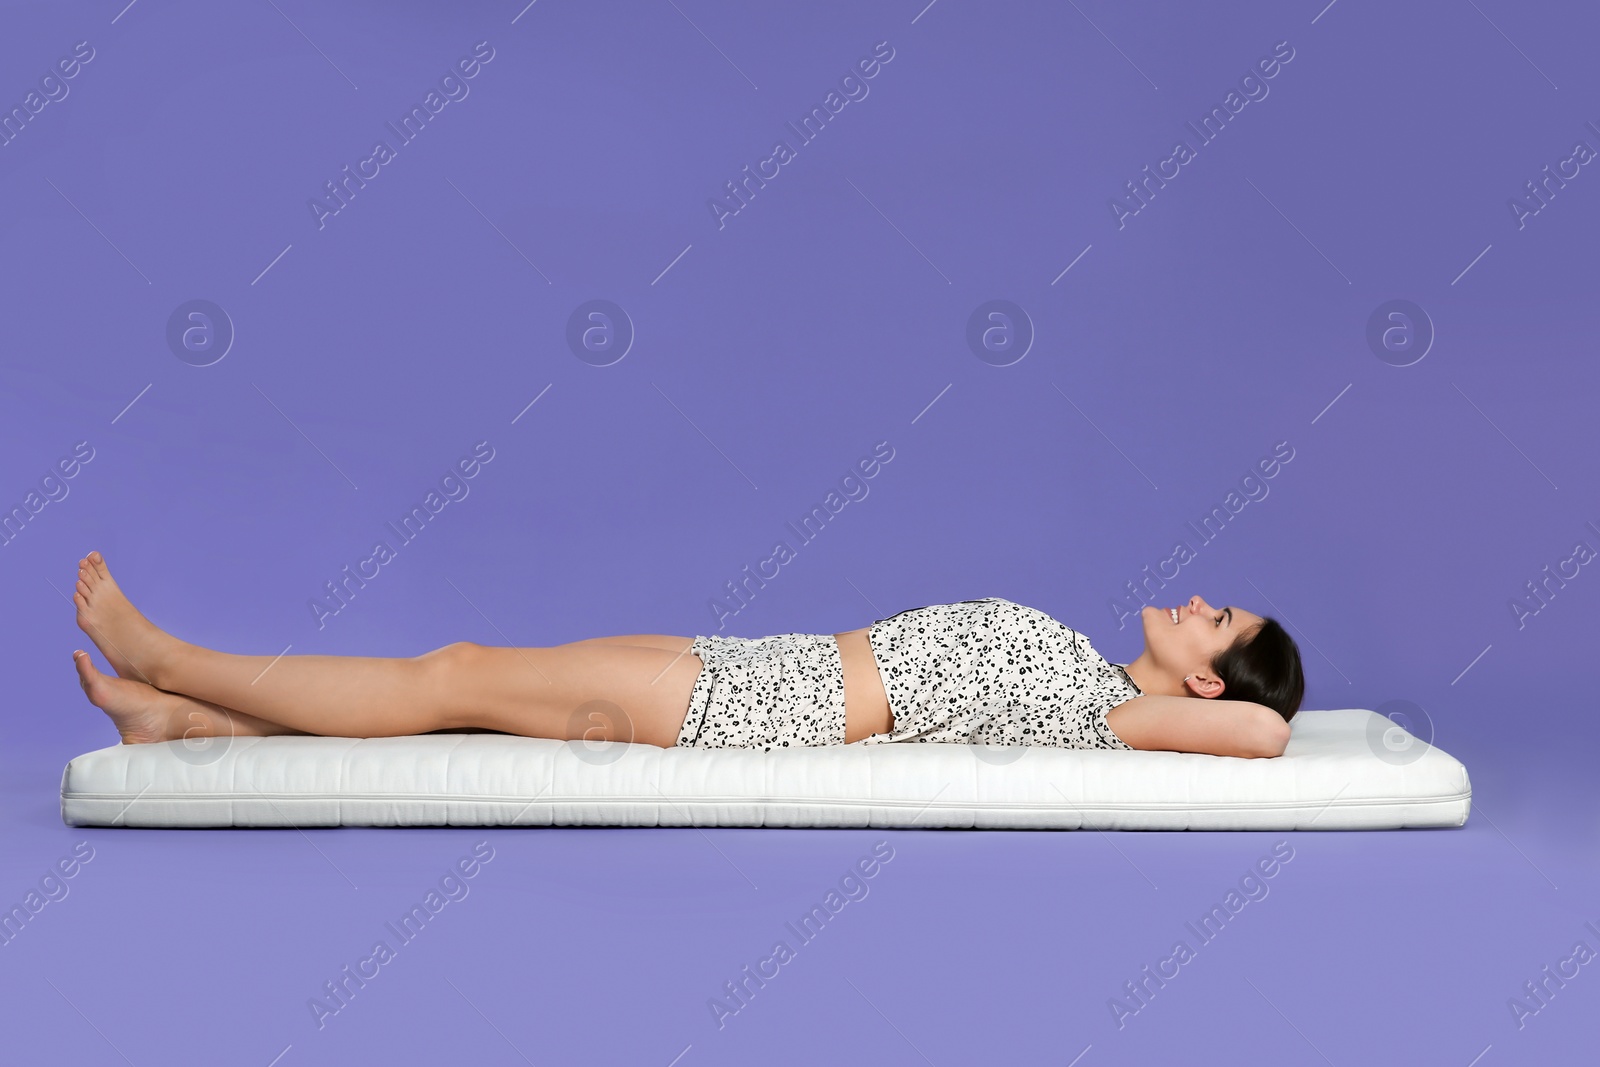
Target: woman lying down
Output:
[(1222, 681)]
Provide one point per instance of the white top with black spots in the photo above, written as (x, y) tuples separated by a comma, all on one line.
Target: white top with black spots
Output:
[(995, 672)]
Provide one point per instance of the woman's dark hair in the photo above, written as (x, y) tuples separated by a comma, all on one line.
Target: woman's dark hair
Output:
[(1263, 667)]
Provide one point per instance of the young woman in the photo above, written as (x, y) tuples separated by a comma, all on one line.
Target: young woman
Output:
[(1214, 680)]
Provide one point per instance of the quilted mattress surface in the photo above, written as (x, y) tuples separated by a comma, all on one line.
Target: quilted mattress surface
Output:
[(1342, 770)]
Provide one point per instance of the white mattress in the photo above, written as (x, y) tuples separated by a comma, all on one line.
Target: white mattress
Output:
[(1343, 770)]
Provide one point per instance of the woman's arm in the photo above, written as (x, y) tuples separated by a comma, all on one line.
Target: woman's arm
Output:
[(1192, 724)]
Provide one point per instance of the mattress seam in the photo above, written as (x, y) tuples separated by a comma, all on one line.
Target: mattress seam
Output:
[(748, 799)]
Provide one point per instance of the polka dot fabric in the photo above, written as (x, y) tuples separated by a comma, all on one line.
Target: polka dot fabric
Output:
[(782, 691), (994, 672)]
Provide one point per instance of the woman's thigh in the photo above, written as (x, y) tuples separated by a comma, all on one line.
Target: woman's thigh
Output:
[(597, 690), (666, 641)]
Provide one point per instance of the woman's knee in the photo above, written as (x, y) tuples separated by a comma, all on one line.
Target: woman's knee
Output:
[(444, 678), (452, 661)]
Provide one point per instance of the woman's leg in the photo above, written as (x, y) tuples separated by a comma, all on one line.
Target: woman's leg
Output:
[(598, 689), (143, 713), (674, 644)]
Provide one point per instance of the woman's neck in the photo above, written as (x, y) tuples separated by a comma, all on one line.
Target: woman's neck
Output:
[(1152, 680)]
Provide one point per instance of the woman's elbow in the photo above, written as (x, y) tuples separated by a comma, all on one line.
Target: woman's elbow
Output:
[(1271, 735)]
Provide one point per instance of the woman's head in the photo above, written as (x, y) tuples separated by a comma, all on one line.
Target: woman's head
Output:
[(1212, 652)]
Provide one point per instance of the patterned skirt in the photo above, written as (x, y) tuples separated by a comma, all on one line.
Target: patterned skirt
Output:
[(781, 691)]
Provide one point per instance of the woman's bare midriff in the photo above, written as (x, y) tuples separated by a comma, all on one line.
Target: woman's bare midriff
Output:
[(866, 704)]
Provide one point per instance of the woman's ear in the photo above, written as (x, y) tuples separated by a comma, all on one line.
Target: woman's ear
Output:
[(1202, 685)]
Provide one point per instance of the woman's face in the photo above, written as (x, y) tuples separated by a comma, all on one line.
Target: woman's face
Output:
[(1183, 639)]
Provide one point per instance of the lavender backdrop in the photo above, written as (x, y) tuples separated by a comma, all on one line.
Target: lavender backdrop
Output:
[(370, 319)]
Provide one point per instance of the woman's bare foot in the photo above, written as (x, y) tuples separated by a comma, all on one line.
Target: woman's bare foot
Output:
[(142, 714), (133, 645)]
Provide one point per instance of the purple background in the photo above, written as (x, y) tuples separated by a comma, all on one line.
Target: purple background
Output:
[(771, 354)]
